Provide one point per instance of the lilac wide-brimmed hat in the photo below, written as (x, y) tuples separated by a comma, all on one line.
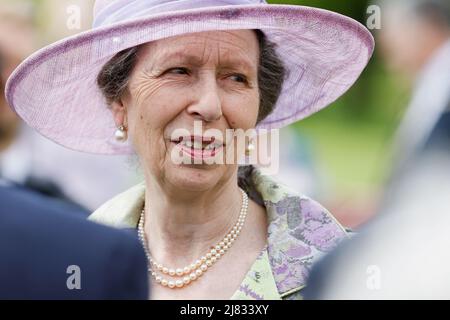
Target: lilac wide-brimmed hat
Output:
[(55, 89)]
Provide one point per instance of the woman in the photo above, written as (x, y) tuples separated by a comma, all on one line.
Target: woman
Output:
[(153, 69)]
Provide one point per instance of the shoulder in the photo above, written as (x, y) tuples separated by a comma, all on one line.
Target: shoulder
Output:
[(299, 222), (123, 210), (300, 232), (40, 243), (295, 210), (15, 197)]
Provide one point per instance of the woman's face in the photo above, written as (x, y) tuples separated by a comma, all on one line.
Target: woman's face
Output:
[(207, 78)]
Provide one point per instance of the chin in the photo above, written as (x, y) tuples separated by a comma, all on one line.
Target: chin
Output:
[(195, 177)]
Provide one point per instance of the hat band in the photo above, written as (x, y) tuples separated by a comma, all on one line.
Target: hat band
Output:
[(120, 11)]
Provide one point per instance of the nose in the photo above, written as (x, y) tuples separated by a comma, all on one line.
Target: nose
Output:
[(206, 104)]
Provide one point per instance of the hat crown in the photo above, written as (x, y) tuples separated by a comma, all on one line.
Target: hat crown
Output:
[(107, 12)]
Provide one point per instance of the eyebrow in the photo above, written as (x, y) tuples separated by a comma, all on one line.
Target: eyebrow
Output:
[(194, 60)]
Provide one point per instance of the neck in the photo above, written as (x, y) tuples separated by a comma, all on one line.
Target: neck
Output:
[(182, 227)]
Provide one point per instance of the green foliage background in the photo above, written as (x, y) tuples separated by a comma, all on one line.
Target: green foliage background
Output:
[(351, 138)]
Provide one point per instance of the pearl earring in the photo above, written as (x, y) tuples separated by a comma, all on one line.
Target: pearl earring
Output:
[(121, 134), (249, 149)]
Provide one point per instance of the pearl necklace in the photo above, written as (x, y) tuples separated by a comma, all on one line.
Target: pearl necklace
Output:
[(188, 274)]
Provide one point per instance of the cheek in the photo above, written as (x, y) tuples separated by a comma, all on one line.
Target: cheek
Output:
[(154, 108), (242, 113), (148, 121), (148, 139), (142, 131)]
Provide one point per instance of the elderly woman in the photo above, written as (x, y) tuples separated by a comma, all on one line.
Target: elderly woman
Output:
[(211, 230)]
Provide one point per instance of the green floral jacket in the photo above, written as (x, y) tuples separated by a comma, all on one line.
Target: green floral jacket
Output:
[(299, 232)]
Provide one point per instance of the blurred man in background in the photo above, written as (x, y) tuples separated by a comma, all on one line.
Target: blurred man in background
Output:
[(33, 264), (30, 160), (415, 42), (403, 253), (47, 251)]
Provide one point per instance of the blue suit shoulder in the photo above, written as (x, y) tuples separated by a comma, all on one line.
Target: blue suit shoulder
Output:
[(50, 253)]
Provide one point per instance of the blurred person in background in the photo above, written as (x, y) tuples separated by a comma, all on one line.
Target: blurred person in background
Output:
[(31, 160), (403, 253), (15, 44), (415, 42), (49, 251)]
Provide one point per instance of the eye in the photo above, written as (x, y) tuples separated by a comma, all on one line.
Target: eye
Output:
[(178, 70), (240, 78)]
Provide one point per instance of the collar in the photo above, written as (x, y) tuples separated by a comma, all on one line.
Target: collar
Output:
[(300, 231)]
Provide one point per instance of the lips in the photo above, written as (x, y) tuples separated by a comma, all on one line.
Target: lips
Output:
[(198, 147)]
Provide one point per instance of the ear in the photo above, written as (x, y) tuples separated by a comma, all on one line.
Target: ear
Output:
[(119, 112)]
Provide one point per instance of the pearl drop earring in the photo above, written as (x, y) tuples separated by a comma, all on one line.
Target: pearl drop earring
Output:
[(249, 149), (121, 134)]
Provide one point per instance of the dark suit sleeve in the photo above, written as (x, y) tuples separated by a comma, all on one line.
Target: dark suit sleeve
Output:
[(126, 277), (39, 242)]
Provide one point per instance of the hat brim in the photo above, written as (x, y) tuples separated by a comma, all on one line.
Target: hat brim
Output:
[(55, 90)]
